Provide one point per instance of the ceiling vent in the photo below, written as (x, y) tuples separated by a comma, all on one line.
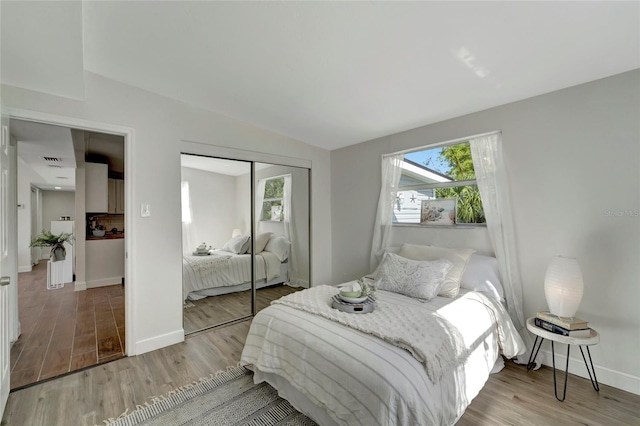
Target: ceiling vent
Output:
[(55, 166), (55, 159)]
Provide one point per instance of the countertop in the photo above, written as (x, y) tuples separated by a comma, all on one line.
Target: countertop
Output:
[(107, 236)]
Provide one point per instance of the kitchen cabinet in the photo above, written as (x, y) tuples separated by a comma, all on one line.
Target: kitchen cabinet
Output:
[(116, 196), (96, 188), (104, 262)]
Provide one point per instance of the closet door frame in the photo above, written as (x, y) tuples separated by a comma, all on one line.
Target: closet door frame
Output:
[(226, 153)]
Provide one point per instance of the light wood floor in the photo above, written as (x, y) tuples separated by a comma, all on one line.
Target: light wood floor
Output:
[(64, 330), (216, 310), (511, 397)]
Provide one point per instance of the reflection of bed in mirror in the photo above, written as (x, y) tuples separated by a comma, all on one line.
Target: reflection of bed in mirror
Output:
[(229, 270)]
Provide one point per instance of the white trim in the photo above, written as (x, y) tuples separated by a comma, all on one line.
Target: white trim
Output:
[(607, 376), (157, 342), (129, 138), (436, 145), (80, 286), (200, 148), (25, 268), (104, 282)]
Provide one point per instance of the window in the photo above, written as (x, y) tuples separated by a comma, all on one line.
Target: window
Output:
[(273, 202), (445, 172)]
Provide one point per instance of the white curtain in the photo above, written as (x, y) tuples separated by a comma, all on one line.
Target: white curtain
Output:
[(188, 233), (259, 202), (491, 178), (289, 231), (391, 171)]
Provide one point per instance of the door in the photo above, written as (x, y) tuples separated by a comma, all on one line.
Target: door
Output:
[(7, 255)]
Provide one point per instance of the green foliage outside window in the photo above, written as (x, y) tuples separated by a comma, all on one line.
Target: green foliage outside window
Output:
[(469, 206), (273, 204)]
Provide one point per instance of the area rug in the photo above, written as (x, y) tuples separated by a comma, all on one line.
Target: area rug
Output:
[(225, 398)]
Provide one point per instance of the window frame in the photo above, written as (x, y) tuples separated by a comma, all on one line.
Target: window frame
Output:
[(265, 200), (437, 185)]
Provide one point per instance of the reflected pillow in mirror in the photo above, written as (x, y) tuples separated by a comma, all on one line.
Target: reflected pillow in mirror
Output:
[(279, 246), (261, 241), (237, 245)]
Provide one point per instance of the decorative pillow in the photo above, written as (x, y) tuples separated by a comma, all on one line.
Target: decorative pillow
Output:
[(413, 278), (261, 241), (237, 245), (458, 259), (279, 246), (482, 274)]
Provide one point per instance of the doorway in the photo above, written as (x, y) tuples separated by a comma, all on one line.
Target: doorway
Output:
[(71, 312)]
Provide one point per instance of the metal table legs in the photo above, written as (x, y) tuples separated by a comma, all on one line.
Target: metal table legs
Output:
[(592, 372)]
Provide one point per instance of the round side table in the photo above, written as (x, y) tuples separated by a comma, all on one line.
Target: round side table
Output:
[(541, 334)]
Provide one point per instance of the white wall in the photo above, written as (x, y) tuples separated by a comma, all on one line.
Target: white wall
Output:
[(213, 205), (26, 175), (56, 204), (572, 156), (159, 125)]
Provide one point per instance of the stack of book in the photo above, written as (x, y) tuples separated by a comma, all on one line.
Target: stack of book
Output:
[(571, 327)]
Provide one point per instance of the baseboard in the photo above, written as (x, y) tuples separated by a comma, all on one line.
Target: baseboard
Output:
[(25, 268), (80, 286), (104, 282), (607, 376), (157, 342)]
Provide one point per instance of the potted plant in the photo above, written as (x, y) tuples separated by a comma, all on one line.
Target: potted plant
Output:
[(56, 242)]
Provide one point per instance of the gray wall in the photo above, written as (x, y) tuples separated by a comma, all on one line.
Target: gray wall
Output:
[(572, 158), (56, 204)]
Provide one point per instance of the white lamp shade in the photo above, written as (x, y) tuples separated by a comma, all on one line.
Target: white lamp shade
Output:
[(563, 286), (236, 232)]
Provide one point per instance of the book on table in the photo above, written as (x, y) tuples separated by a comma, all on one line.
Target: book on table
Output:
[(573, 323), (553, 328)]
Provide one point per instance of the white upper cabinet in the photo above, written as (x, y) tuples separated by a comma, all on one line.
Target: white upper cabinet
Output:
[(97, 188)]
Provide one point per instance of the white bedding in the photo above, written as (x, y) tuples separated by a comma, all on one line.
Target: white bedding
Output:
[(345, 376), (228, 269)]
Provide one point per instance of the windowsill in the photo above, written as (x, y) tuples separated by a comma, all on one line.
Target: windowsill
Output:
[(272, 221), (457, 226)]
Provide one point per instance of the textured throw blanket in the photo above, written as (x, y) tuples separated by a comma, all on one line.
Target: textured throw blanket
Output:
[(429, 338), (207, 264)]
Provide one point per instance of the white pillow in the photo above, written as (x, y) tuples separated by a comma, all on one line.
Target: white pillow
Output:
[(279, 246), (237, 245), (458, 259), (482, 275), (421, 279), (261, 241)]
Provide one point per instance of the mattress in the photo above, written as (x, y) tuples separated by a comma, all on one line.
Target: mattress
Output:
[(338, 375), (225, 270)]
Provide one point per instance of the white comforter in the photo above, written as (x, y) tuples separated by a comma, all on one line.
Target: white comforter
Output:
[(228, 269), (359, 379)]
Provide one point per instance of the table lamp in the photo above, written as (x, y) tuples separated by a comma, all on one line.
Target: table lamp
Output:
[(563, 286)]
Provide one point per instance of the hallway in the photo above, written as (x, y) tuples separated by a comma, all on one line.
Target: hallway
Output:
[(64, 330)]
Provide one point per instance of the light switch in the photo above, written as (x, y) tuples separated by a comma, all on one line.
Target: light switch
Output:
[(145, 210)]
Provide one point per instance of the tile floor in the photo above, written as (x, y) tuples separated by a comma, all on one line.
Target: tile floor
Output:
[(64, 330)]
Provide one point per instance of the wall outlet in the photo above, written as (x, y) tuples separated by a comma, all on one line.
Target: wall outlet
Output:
[(145, 210)]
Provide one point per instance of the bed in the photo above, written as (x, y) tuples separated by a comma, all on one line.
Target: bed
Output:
[(336, 373), (229, 270)]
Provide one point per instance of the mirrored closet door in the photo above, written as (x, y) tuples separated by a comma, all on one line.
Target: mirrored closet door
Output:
[(282, 220), (245, 237)]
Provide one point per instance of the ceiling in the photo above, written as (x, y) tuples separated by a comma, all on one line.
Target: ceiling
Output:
[(50, 151), (38, 144), (329, 74), (219, 165)]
